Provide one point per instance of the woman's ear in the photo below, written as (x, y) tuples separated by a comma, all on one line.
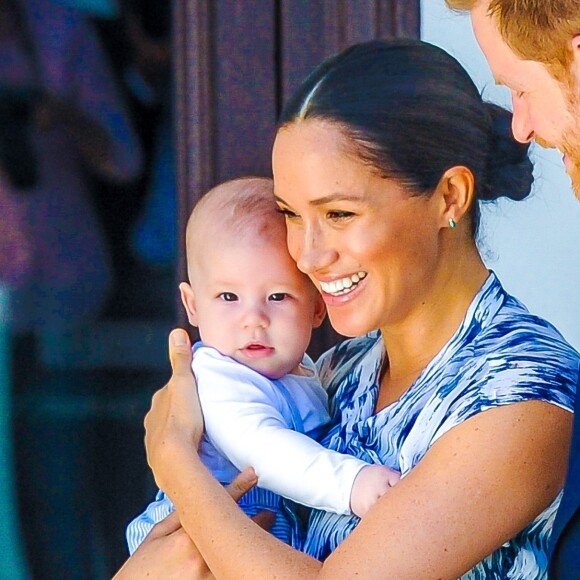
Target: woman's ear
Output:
[(457, 191), (319, 310), (188, 299)]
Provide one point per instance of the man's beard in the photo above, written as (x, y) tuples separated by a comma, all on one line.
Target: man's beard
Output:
[(575, 177), (571, 136), (570, 143), (571, 148)]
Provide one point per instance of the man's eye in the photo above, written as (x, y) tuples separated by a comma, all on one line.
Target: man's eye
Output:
[(228, 296), (278, 296)]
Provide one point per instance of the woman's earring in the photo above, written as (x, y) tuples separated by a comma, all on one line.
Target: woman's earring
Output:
[(452, 223)]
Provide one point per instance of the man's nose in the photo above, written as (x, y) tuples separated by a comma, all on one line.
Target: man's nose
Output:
[(521, 122)]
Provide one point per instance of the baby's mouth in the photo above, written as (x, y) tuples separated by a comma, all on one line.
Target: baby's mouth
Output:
[(255, 349)]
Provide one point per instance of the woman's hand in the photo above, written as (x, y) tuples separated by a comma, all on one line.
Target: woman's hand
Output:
[(174, 424), (168, 552)]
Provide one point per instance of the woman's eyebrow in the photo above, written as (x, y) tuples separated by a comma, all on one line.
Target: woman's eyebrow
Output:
[(333, 197)]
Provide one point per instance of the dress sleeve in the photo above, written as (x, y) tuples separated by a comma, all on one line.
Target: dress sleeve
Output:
[(248, 421), (504, 377)]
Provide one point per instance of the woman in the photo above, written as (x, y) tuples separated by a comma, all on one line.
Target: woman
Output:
[(379, 164)]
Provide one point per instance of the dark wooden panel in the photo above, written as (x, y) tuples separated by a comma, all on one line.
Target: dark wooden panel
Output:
[(308, 34), (245, 86), (193, 68), (402, 18), (311, 31), (193, 113)]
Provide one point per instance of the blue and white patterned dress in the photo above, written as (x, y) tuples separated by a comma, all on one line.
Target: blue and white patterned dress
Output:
[(501, 354)]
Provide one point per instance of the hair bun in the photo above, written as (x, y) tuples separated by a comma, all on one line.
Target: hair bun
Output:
[(509, 169)]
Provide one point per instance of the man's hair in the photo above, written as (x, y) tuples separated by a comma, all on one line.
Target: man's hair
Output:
[(539, 30)]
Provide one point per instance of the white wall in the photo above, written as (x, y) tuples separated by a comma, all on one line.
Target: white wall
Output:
[(534, 245)]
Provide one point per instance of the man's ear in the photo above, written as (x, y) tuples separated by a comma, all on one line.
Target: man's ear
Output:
[(188, 299), (319, 310)]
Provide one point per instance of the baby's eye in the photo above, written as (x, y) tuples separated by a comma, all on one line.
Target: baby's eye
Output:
[(278, 296), (228, 296)]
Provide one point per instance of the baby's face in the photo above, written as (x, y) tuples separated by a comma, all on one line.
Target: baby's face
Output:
[(251, 303)]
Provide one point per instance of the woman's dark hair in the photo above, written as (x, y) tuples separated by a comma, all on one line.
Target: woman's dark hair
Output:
[(412, 112)]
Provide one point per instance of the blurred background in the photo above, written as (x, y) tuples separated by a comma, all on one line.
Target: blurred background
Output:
[(116, 115), (87, 270)]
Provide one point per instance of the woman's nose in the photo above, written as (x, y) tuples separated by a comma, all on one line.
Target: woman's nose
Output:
[(521, 122), (313, 252)]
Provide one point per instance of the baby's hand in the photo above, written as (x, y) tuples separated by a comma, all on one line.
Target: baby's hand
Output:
[(369, 485)]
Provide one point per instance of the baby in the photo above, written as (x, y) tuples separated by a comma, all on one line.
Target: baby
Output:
[(262, 401)]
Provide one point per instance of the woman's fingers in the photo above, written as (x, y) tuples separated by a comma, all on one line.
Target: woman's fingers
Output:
[(165, 527), (167, 553), (184, 408), (174, 422), (265, 519), (180, 352), (243, 482)]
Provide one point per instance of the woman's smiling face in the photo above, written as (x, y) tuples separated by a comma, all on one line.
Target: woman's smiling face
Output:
[(371, 248)]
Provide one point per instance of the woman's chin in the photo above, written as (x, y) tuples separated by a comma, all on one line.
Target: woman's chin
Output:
[(349, 326)]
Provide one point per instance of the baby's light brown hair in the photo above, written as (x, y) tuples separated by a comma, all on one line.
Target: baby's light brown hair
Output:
[(242, 209)]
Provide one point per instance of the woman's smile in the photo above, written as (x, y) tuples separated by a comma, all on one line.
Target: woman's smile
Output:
[(344, 285)]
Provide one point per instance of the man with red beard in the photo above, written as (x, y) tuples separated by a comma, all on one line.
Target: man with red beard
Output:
[(533, 48)]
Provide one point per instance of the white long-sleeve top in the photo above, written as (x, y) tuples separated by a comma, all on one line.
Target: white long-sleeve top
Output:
[(271, 425)]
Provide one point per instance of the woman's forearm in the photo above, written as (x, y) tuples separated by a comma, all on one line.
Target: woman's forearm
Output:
[(232, 545)]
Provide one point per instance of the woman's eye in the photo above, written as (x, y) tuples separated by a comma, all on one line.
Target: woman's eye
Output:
[(288, 214), (339, 215), (228, 296), (278, 297)]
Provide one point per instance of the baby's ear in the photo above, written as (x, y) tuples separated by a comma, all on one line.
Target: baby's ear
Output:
[(188, 299), (319, 310)]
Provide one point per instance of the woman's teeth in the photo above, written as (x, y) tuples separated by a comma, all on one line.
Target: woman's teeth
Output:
[(344, 285)]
